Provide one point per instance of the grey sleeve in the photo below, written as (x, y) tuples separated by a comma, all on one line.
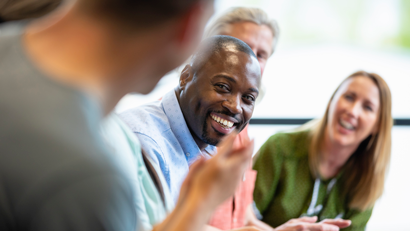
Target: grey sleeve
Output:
[(102, 202)]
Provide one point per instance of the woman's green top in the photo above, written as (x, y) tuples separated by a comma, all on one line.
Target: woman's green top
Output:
[(285, 186)]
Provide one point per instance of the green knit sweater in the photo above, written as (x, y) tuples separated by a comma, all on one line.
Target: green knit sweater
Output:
[(284, 185)]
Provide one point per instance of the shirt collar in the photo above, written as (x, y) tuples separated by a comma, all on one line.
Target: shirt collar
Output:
[(179, 127)]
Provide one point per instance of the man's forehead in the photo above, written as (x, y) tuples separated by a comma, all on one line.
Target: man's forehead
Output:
[(230, 57), (234, 63)]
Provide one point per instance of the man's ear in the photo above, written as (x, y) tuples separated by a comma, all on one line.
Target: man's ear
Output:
[(186, 76)]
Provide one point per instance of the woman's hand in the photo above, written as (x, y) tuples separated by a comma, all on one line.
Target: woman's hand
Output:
[(308, 224), (246, 228), (252, 220)]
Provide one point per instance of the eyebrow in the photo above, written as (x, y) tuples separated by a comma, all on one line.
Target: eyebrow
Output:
[(366, 100), (234, 80), (263, 52), (254, 90), (371, 103), (225, 77)]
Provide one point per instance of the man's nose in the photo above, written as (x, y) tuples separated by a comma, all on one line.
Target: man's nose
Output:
[(233, 104)]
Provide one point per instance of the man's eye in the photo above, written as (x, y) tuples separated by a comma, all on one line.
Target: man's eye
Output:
[(249, 97), (349, 97), (222, 86), (260, 56)]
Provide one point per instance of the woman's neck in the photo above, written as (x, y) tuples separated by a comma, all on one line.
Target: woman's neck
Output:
[(333, 158)]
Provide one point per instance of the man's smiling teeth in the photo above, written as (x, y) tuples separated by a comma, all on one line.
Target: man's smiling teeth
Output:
[(226, 123), (346, 124)]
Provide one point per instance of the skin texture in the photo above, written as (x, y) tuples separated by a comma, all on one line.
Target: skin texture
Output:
[(227, 85), (357, 102), (258, 37)]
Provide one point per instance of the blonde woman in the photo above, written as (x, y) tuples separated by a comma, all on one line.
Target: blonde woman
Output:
[(334, 167)]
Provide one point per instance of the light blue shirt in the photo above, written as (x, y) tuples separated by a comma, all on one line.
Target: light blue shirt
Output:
[(164, 135), (149, 206)]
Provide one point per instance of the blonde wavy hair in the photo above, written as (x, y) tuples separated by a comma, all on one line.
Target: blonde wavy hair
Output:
[(363, 183)]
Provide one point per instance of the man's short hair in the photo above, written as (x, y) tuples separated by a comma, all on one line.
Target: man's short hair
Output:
[(216, 44), (139, 14), (25, 9), (243, 14)]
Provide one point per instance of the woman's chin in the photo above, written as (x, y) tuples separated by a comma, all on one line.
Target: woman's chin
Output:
[(343, 140)]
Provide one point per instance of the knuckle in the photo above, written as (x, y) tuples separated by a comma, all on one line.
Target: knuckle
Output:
[(300, 227)]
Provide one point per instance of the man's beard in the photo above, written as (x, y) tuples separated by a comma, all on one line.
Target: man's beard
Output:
[(205, 136)]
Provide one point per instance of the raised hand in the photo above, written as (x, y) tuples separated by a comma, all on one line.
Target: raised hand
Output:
[(219, 176)]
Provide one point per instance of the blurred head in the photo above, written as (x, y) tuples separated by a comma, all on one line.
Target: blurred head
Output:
[(170, 31), (354, 111), (218, 89), (358, 115), (251, 25)]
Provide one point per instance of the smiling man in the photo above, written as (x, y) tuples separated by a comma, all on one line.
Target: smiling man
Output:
[(216, 94)]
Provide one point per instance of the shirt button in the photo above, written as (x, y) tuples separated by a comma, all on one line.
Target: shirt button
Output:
[(187, 154), (234, 220)]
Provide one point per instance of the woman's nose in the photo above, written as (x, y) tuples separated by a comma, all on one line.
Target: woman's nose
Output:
[(355, 109)]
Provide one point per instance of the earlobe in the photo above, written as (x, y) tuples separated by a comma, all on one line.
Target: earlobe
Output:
[(186, 76)]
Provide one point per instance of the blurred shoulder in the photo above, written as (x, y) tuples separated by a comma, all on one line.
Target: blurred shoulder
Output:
[(146, 119)]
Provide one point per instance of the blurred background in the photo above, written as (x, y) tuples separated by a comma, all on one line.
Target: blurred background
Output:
[(321, 42)]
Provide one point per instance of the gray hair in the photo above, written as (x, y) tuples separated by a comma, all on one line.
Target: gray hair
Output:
[(243, 14)]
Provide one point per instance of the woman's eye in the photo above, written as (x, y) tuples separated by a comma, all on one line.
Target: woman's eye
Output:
[(368, 108)]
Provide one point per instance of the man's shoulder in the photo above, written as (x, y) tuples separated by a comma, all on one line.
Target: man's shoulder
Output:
[(7, 44), (34, 152), (60, 179), (38, 166), (149, 119)]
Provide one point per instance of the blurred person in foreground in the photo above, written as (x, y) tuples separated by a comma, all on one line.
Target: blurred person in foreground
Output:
[(59, 78), (333, 167)]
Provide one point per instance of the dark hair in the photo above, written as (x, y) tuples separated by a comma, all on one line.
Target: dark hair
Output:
[(137, 13), (25, 9), (216, 44)]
